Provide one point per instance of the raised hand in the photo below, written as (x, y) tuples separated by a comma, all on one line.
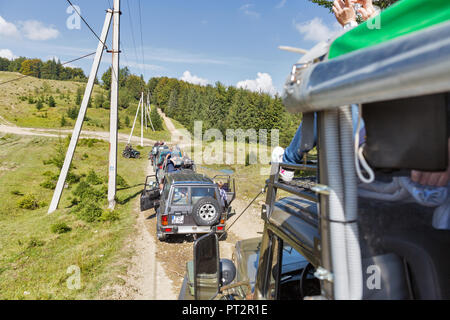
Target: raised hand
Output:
[(344, 12), (367, 10)]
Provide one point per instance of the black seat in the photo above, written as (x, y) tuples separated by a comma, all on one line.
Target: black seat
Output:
[(405, 229)]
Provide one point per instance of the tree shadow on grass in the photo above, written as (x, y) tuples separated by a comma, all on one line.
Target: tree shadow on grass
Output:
[(128, 199), (131, 187)]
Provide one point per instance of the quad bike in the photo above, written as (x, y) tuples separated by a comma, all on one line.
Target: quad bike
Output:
[(129, 152)]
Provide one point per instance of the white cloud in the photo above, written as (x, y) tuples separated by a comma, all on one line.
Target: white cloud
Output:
[(142, 66), (246, 10), (36, 30), (8, 29), (315, 30), (6, 53), (262, 83), (188, 77)]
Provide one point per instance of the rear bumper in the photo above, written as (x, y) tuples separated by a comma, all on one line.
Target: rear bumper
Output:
[(192, 229)]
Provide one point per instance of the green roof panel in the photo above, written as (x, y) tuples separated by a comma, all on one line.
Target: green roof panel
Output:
[(402, 18)]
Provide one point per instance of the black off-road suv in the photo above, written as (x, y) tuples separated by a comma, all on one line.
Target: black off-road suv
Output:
[(189, 203)]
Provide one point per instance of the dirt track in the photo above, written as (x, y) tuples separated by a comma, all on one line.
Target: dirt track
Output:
[(156, 270), (173, 254)]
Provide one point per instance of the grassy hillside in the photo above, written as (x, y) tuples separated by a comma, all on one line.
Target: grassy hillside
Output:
[(16, 106), (36, 249)]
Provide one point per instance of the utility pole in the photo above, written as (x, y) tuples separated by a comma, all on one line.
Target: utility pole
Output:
[(142, 119), (82, 113), (112, 169)]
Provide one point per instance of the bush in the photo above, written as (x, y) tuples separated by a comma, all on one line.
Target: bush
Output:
[(29, 202), (93, 178), (33, 243), (48, 184), (90, 212), (109, 215), (72, 178), (39, 105), (60, 227), (51, 102), (72, 113), (121, 182), (87, 193), (63, 121)]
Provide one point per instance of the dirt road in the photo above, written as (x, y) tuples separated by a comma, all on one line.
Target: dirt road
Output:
[(6, 127), (173, 254), (157, 268)]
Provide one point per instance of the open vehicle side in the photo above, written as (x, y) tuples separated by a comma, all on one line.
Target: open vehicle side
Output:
[(351, 245)]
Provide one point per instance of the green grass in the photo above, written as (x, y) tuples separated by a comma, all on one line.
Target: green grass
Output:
[(16, 109), (36, 249)]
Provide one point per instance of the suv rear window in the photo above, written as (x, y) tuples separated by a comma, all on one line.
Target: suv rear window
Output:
[(180, 196), (201, 192)]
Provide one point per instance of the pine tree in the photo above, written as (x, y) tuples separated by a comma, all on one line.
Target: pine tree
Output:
[(63, 121), (79, 98), (39, 105), (51, 102), (156, 120)]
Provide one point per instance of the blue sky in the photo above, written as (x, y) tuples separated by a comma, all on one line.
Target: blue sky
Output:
[(202, 41)]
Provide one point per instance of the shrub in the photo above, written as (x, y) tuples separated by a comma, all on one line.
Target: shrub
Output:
[(86, 193), (63, 121), (39, 105), (120, 181), (60, 227), (48, 184), (29, 202), (90, 212), (72, 113), (75, 201), (109, 215), (93, 178), (72, 178), (33, 242), (51, 102)]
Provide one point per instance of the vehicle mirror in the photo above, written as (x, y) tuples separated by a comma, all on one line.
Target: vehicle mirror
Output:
[(206, 267), (227, 271)]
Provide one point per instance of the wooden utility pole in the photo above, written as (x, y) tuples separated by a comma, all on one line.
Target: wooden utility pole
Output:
[(112, 169)]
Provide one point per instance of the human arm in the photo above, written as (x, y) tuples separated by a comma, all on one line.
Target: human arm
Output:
[(435, 179)]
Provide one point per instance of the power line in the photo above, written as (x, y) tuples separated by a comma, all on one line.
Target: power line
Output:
[(142, 41), (67, 62), (87, 24), (132, 34)]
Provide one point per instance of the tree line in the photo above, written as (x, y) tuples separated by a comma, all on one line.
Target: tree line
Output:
[(222, 107), (50, 69)]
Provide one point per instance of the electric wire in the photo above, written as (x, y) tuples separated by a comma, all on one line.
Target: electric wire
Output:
[(87, 24), (67, 62)]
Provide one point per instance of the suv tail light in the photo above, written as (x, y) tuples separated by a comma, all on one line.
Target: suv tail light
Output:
[(164, 221), (168, 230), (219, 228)]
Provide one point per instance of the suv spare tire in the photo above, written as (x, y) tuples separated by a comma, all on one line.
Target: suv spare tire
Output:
[(206, 212)]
